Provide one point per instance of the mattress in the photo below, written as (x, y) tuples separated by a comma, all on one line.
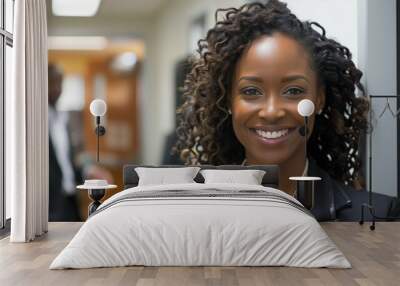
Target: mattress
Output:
[(201, 225)]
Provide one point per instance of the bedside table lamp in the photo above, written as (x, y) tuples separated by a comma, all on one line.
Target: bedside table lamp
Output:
[(305, 108), (97, 188), (305, 185), (98, 108)]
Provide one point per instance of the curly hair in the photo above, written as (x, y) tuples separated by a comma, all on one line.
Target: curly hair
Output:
[(205, 132)]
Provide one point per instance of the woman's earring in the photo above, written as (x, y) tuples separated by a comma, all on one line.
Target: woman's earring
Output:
[(229, 111)]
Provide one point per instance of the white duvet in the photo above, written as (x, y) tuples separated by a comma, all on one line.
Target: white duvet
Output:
[(188, 231)]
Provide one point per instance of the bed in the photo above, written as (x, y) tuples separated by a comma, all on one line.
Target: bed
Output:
[(201, 223)]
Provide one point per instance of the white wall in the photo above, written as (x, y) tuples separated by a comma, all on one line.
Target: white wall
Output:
[(338, 17)]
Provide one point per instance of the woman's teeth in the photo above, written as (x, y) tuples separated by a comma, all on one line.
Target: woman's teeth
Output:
[(273, 134)]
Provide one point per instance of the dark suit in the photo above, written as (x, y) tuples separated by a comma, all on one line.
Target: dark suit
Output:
[(62, 207), (336, 201)]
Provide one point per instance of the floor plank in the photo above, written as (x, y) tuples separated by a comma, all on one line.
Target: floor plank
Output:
[(374, 255)]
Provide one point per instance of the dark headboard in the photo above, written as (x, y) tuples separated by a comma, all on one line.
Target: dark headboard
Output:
[(270, 179)]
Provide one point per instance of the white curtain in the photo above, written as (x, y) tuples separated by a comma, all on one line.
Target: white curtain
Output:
[(26, 123)]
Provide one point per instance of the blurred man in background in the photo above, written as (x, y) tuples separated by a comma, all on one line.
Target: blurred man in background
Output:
[(64, 173)]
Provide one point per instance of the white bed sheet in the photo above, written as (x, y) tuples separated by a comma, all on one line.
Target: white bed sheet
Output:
[(200, 231)]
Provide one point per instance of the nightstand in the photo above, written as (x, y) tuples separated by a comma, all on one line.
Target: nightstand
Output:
[(96, 191), (305, 190)]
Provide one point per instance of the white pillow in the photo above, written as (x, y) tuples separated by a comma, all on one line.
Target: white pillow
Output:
[(162, 176), (249, 177)]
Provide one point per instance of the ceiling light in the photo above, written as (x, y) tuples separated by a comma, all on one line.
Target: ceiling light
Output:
[(75, 8), (124, 62), (76, 43)]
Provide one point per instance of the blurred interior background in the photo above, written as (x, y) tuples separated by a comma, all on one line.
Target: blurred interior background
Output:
[(132, 54)]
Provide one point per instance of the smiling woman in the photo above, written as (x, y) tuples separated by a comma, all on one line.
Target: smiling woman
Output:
[(255, 66)]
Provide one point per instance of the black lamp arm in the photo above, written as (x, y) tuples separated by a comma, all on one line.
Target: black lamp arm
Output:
[(305, 133), (100, 131)]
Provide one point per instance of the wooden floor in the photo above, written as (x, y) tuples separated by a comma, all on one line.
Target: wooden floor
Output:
[(374, 255)]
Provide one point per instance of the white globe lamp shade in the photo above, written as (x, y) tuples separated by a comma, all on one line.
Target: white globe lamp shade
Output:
[(98, 107), (305, 107)]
